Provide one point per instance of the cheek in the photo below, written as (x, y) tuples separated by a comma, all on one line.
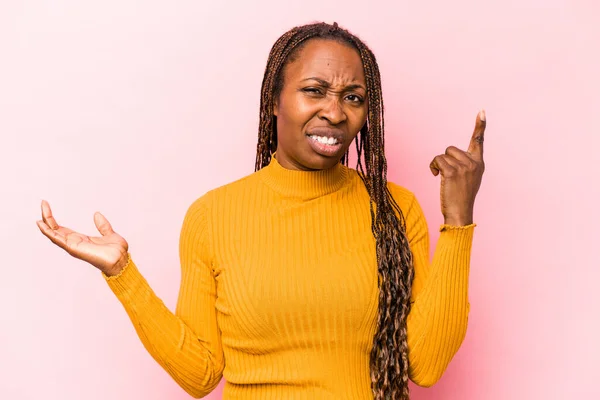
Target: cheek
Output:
[(295, 111), (359, 117)]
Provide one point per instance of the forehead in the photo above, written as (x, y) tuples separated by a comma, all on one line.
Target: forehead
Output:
[(326, 59)]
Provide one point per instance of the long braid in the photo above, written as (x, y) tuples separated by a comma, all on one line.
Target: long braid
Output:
[(389, 354)]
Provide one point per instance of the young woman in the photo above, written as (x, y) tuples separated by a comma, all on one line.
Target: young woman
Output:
[(308, 279)]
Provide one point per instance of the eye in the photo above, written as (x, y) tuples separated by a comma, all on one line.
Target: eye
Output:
[(354, 98), (312, 90)]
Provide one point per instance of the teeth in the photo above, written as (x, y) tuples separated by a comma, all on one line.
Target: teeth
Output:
[(324, 140)]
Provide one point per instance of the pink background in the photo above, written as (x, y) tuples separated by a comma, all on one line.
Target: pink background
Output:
[(135, 109)]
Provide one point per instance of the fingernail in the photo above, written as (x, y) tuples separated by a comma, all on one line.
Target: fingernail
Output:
[(482, 114)]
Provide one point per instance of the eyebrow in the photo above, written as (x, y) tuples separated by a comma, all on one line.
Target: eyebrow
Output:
[(327, 84)]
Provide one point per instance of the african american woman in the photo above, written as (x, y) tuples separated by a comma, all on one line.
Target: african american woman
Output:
[(308, 279)]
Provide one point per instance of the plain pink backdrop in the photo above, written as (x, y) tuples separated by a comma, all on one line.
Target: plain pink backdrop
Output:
[(135, 109)]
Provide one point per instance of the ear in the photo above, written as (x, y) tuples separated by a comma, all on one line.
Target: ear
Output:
[(275, 106)]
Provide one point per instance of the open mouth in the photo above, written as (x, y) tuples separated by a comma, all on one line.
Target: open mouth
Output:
[(324, 140), (326, 146)]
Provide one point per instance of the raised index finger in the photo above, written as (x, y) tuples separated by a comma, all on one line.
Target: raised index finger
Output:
[(476, 145)]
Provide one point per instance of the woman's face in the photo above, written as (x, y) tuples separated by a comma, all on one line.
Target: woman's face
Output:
[(322, 105)]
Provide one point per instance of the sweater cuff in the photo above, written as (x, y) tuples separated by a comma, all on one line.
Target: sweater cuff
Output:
[(459, 238), (446, 227), (128, 282)]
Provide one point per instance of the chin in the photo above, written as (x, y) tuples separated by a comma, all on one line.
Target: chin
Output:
[(318, 161)]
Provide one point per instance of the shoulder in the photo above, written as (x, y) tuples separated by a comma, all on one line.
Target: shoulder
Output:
[(410, 206), (237, 186), (403, 196), (229, 191)]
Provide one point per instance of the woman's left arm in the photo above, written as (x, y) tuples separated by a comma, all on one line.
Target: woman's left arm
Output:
[(437, 323)]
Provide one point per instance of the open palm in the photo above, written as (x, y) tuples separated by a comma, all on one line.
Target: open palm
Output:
[(107, 252)]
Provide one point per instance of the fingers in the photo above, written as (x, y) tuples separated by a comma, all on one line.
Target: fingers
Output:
[(47, 215), (454, 160), (53, 235), (476, 144), (443, 164), (459, 155), (102, 224)]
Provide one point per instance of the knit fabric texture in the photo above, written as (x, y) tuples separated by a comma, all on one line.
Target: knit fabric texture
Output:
[(279, 290)]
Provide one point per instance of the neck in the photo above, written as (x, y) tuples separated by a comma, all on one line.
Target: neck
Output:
[(302, 184)]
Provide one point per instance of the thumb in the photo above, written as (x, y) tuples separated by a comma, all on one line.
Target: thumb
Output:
[(102, 224)]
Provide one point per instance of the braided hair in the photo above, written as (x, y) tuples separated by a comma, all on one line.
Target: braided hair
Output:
[(389, 353)]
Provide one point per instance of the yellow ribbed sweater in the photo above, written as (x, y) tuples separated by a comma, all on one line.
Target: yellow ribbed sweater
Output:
[(279, 290)]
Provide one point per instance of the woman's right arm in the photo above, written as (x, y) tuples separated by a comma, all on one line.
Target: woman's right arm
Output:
[(186, 343)]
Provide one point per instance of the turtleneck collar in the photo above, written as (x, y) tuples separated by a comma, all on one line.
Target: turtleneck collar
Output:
[(304, 185)]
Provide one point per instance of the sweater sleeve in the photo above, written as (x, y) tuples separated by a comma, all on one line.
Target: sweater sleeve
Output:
[(186, 343), (437, 322)]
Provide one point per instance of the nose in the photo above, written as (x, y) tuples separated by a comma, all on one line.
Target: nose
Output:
[(332, 110)]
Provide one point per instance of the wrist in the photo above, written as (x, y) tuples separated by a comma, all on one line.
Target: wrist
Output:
[(119, 266), (458, 221)]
